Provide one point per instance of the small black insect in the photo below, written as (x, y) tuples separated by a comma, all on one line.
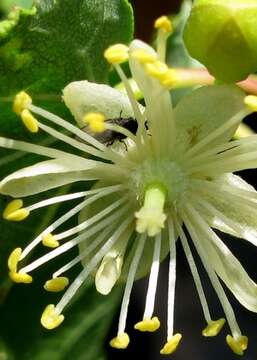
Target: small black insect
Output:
[(108, 137)]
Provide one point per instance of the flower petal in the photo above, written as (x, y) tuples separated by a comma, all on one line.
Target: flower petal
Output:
[(203, 111), (243, 217), (47, 175), (82, 97), (157, 97), (231, 272)]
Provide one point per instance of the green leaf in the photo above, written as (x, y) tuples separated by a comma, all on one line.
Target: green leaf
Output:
[(41, 51)]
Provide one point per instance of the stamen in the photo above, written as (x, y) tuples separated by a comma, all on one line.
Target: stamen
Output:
[(151, 292), (96, 122), (101, 192), (164, 24), (165, 28), (116, 54), (91, 265), (61, 198), (13, 261), (200, 246), (158, 69), (57, 284), (49, 240), (171, 346), (137, 112), (36, 149), (172, 280), (85, 224), (101, 236), (21, 102), (151, 217), (143, 56), (129, 284), (195, 274), (14, 211), (120, 342), (214, 328), (50, 319), (70, 244), (237, 345), (29, 121), (76, 131)]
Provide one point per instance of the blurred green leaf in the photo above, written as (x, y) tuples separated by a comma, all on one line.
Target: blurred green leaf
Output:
[(6, 5)]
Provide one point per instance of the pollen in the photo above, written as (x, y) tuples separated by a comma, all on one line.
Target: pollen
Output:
[(29, 121), (143, 56), (149, 325), (251, 102), (50, 241), (57, 284), (171, 345), (164, 24), (213, 328), (239, 345), (21, 102), (15, 212), (120, 341), (20, 277), (116, 54), (95, 121), (50, 319), (158, 69)]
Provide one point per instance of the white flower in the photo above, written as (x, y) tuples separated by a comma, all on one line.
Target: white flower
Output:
[(175, 172)]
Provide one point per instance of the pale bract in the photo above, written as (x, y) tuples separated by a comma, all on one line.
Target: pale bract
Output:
[(174, 173)]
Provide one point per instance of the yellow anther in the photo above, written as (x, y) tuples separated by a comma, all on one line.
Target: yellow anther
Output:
[(49, 240), (171, 345), (169, 79), (163, 23), (57, 284), (21, 102), (143, 56), (95, 121), (50, 319), (251, 102), (213, 328), (158, 69), (239, 345), (20, 277), (120, 341), (14, 259), (116, 54), (14, 211), (29, 121), (150, 325)]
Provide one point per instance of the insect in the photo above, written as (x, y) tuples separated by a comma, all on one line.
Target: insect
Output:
[(108, 137)]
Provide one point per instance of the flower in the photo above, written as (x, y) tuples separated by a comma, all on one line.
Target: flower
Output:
[(174, 172)]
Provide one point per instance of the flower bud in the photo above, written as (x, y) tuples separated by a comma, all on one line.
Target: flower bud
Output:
[(222, 35)]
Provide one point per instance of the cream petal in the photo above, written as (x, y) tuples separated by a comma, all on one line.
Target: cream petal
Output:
[(157, 97), (47, 175), (203, 111), (82, 97), (231, 272), (242, 219)]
